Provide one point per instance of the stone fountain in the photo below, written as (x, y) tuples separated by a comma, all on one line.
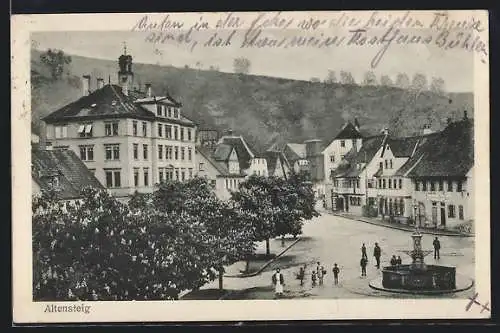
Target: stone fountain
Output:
[(418, 277)]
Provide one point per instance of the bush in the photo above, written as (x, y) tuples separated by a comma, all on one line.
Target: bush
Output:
[(369, 211)]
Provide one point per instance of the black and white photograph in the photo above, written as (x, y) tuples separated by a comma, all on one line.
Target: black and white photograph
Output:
[(321, 163)]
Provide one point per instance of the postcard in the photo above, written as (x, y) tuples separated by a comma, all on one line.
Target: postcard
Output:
[(242, 166)]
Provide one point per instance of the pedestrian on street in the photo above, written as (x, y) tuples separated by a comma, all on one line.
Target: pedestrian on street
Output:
[(302, 274), (363, 251), (377, 253), (336, 271), (437, 247), (321, 275), (313, 278), (278, 282), (399, 261), (363, 264), (394, 260)]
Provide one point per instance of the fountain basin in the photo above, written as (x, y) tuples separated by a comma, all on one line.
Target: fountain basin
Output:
[(431, 277)]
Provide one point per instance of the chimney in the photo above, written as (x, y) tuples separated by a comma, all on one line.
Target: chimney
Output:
[(230, 132), (100, 83), (356, 124), (86, 85), (465, 114), (148, 89)]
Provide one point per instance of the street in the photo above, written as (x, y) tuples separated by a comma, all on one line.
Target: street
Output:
[(332, 239)]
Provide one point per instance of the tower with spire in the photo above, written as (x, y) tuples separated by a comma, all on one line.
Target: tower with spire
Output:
[(125, 73)]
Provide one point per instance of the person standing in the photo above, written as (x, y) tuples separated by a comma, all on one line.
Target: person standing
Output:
[(321, 275), (302, 274), (363, 251), (336, 271), (278, 282), (437, 247), (394, 260), (377, 253), (313, 278), (399, 261), (363, 264)]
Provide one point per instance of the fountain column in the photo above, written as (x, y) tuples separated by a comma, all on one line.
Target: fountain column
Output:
[(417, 254)]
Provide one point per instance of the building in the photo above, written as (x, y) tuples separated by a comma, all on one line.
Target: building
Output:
[(352, 185), (61, 171), (221, 168), (442, 177), (277, 165), (129, 139), (295, 154)]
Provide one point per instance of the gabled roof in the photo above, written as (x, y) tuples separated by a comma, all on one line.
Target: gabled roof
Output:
[(295, 151), (109, 102), (220, 167), (348, 131), (222, 152), (403, 147), (166, 100), (272, 158), (448, 154), (73, 175), (245, 155)]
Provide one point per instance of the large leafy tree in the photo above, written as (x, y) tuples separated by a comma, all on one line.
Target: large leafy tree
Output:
[(56, 61)]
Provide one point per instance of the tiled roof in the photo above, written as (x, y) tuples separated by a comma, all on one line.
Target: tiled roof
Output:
[(348, 131), (245, 155), (220, 167), (73, 174), (403, 147), (418, 154), (448, 154), (222, 152), (272, 160), (167, 100), (295, 151), (108, 102)]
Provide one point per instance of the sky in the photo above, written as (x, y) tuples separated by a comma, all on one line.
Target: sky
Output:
[(455, 67)]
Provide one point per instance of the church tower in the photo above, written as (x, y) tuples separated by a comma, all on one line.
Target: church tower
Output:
[(125, 73)]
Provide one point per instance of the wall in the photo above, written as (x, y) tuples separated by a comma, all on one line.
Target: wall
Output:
[(258, 166), (335, 149)]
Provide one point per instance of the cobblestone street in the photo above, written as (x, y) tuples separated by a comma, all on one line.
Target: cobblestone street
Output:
[(334, 239)]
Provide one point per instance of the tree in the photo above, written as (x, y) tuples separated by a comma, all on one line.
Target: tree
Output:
[(370, 79), (331, 77), (419, 82), (56, 61), (386, 81), (437, 85), (346, 78), (402, 81), (241, 65)]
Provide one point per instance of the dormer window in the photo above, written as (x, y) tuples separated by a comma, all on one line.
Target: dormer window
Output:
[(176, 113), (54, 181), (159, 110), (342, 143), (85, 130)]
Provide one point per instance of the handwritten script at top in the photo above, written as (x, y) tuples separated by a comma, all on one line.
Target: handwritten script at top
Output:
[(278, 30)]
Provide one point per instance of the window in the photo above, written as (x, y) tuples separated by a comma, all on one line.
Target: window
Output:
[(112, 152), (383, 183), (182, 153), (176, 152), (136, 177), (175, 132), (357, 183), (160, 174), (111, 129), (450, 186), (176, 174), (190, 154), (401, 207), (417, 185), (189, 134), (87, 153), (176, 113), (190, 170), (61, 131), (381, 165), (400, 184), (440, 184), (160, 130), (112, 178), (332, 158), (183, 174), (168, 131), (136, 151), (201, 166), (451, 211), (134, 128), (424, 185), (182, 133), (146, 176), (144, 128), (433, 186), (390, 164), (461, 212), (145, 151), (389, 181), (459, 186), (159, 109), (168, 152), (160, 152), (386, 164), (342, 143), (169, 109), (85, 131)]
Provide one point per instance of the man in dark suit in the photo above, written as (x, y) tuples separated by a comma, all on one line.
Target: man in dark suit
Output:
[(437, 247), (377, 252)]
